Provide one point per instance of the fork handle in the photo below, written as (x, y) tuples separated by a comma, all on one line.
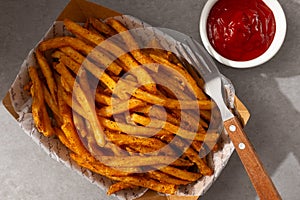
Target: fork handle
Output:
[(261, 181)]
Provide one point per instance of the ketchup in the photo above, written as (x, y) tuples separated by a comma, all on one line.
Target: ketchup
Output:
[(241, 30)]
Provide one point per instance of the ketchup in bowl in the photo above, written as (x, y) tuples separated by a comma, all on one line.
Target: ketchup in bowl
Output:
[(240, 30)]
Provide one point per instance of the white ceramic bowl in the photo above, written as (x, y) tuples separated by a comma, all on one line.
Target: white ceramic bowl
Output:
[(281, 26)]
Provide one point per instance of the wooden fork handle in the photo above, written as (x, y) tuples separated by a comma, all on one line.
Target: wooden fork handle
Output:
[(260, 179)]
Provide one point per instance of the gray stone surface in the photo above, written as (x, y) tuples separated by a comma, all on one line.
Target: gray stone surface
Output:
[(270, 91)]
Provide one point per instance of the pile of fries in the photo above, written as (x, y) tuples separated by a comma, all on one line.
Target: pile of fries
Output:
[(111, 113)]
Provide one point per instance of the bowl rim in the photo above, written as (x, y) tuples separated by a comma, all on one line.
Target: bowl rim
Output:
[(276, 44)]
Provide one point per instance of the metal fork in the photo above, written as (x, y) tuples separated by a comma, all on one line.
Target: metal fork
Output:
[(213, 87)]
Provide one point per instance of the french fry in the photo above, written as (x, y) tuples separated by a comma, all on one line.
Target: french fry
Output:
[(172, 103), (50, 102), (188, 118), (82, 93), (203, 123), (61, 136), (66, 60), (197, 146), (83, 32), (101, 168), (64, 110), (103, 99), (46, 70), (94, 148), (166, 178), (139, 144), (58, 42), (65, 84), (98, 167), (72, 53), (80, 125), (156, 49), (102, 27), (144, 109), (129, 129), (206, 115), (180, 162), (91, 145), (181, 174), (39, 111), (116, 187), (68, 79), (146, 182), (108, 111), (137, 161), (156, 123)]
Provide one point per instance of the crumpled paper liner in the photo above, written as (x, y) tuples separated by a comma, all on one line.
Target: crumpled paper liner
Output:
[(21, 102)]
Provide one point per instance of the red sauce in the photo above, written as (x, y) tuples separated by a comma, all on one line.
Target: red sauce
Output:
[(241, 30)]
